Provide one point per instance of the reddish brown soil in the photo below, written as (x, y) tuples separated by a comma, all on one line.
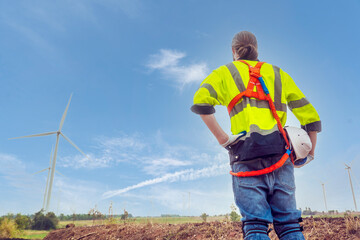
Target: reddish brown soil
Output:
[(314, 229)]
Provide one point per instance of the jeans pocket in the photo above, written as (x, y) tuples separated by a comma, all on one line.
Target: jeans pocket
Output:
[(245, 181), (285, 175)]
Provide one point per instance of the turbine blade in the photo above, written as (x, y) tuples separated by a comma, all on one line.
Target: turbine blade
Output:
[(67, 139), (35, 135), (352, 162), (59, 173), (40, 171), (347, 165), (64, 114)]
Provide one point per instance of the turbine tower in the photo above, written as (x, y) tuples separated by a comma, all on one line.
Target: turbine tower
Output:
[(47, 179), (323, 187), (52, 169), (352, 189)]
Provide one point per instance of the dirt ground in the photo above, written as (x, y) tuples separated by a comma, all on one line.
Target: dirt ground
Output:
[(314, 229)]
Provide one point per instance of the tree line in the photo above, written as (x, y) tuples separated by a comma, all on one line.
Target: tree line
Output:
[(37, 221)]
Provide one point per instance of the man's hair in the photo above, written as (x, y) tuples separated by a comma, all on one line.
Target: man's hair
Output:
[(245, 45)]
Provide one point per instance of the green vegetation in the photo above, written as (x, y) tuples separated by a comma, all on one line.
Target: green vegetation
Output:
[(8, 228), (24, 226), (44, 222), (204, 217), (234, 216), (85, 216), (23, 222), (33, 234)]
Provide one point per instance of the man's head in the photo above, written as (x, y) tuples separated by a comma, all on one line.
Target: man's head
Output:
[(244, 46)]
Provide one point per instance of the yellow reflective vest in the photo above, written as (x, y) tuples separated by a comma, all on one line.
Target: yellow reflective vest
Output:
[(253, 115)]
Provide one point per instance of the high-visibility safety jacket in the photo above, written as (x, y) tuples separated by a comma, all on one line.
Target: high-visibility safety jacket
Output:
[(253, 115)]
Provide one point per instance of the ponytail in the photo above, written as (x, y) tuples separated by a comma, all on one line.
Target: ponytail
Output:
[(245, 45)]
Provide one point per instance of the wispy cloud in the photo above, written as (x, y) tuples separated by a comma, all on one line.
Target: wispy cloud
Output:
[(13, 170), (155, 155), (110, 151), (72, 195), (184, 175), (185, 201), (35, 37), (159, 166), (167, 61)]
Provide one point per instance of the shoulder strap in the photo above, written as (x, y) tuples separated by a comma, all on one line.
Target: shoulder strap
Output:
[(254, 75)]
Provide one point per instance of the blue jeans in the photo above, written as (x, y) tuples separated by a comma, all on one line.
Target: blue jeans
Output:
[(268, 198)]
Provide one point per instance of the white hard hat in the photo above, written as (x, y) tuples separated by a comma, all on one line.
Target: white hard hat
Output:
[(300, 141)]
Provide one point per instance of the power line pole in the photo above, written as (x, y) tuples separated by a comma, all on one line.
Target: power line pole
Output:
[(189, 204)]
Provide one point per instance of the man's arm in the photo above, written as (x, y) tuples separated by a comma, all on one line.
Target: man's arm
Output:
[(215, 128), (313, 138)]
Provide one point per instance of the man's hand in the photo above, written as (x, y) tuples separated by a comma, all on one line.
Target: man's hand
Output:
[(223, 139), (233, 139), (302, 162)]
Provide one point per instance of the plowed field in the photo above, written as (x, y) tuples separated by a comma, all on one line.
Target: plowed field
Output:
[(314, 228)]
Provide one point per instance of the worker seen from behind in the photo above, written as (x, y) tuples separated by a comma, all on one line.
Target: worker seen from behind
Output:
[(262, 152)]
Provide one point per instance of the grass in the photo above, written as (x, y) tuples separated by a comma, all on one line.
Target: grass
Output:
[(78, 223), (33, 234)]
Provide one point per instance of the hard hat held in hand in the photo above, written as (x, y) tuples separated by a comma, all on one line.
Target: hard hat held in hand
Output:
[(300, 142)]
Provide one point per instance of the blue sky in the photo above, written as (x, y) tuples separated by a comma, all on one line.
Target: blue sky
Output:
[(133, 67)]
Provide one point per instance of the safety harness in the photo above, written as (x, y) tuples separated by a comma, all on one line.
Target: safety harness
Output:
[(262, 93)]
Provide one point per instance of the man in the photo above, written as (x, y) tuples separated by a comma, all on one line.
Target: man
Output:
[(258, 141)]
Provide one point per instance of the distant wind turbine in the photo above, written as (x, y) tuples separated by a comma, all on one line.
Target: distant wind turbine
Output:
[(323, 187), (47, 179), (52, 169), (352, 189)]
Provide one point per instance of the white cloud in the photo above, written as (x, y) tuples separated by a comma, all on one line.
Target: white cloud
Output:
[(35, 37), (184, 175), (111, 151), (13, 170), (189, 201), (159, 166), (166, 58), (156, 156), (167, 61), (25, 191), (80, 161), (73, 195)]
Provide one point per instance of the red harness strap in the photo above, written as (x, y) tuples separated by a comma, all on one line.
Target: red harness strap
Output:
[(261, 93)]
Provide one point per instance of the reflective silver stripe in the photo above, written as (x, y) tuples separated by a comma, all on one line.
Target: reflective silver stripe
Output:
[(298, 103), (278, 90), (253, 103), (236, 76), (315, 126), (211, 90), (257, 129), (203, 108)]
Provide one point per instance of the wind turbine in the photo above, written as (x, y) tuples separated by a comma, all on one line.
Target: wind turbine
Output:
[(47, 179), (58, 133), (323, 187), (352, 189)]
